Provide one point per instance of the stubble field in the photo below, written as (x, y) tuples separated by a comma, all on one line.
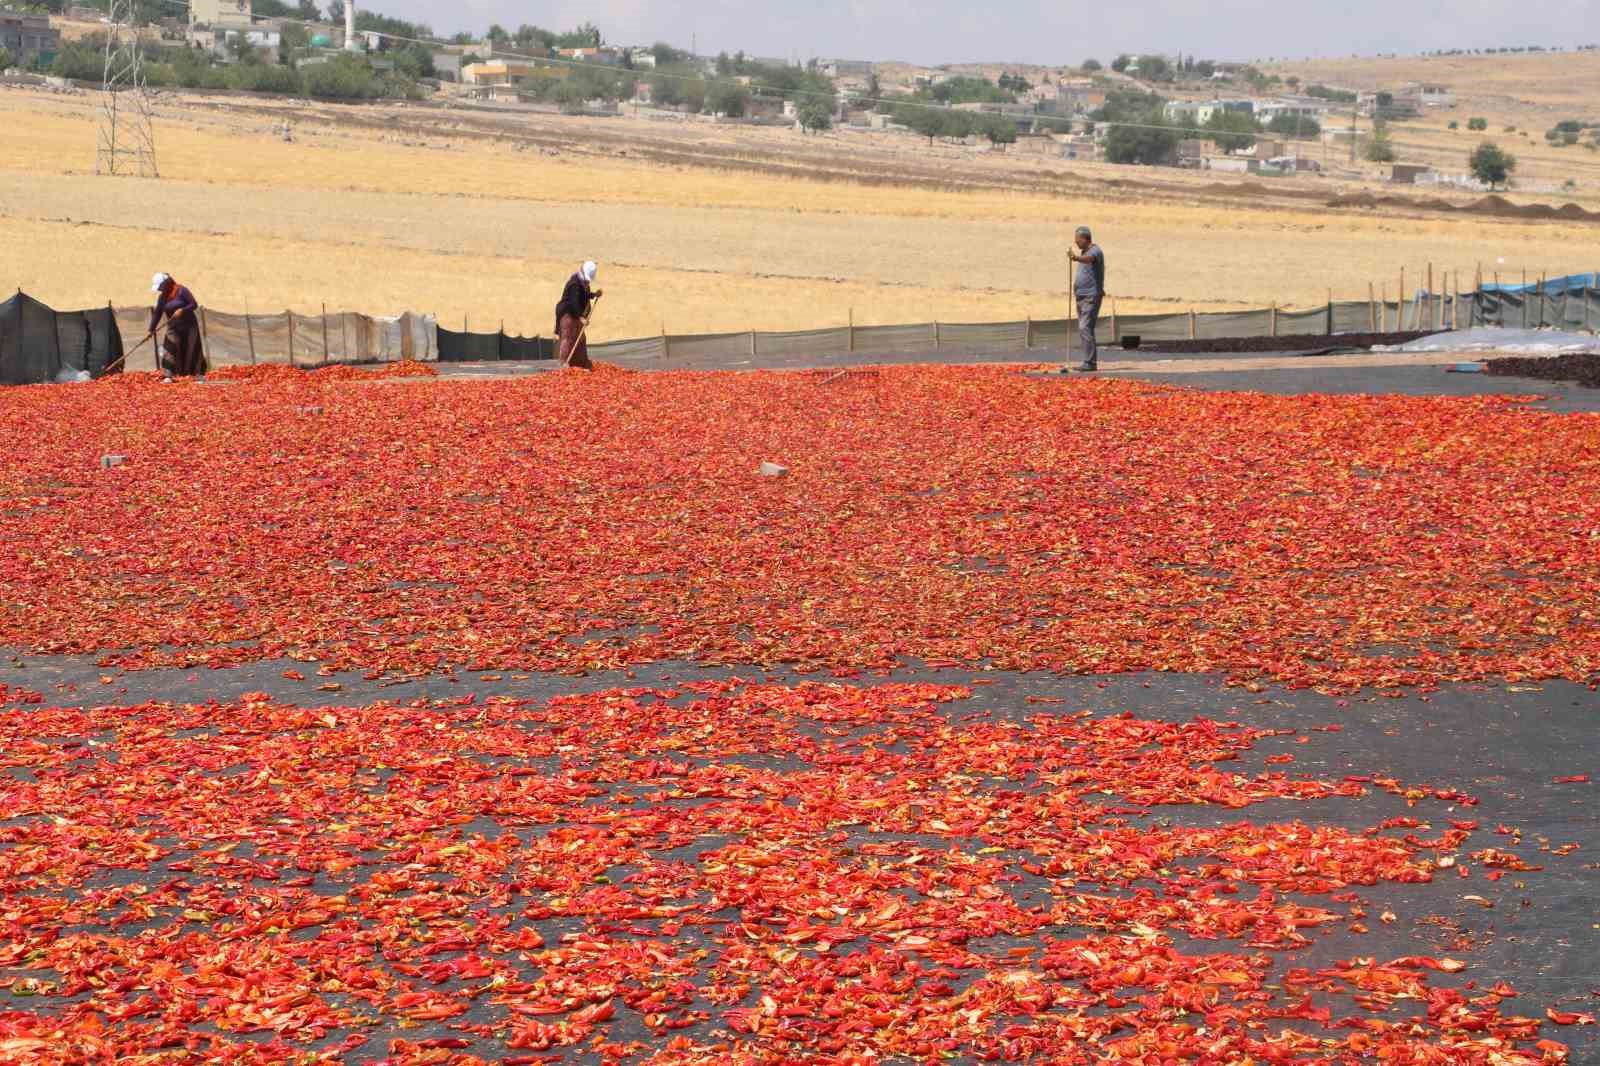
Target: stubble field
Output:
[(383, 210)]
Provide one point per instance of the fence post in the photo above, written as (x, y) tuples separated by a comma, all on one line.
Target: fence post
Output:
[(290, 315), (205, 338), (1115, 336), (1586, 304), (1541, 299), (1372, 310), (1027, 334), (326, 357), (1329, 331), (1430, 304), (852, 330), (1274, 320), (1192, 333), (752, 344), (250, 333), (1524, 299)]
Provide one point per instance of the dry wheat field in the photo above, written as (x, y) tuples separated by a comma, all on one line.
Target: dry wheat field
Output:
[(382, 209)]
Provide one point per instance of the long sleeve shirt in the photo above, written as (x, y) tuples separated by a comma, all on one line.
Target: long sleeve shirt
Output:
[(181, 300), (575, 299)]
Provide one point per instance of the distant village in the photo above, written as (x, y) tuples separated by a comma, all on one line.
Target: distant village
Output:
[(1215, 116)]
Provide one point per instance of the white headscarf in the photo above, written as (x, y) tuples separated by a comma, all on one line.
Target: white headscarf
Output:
[(159, 282), (589, 271)]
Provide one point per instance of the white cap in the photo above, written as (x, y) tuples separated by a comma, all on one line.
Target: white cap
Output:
[(589, 270), (158, 282)]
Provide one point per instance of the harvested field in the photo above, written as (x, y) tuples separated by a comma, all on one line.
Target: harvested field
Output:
[(478, 216)]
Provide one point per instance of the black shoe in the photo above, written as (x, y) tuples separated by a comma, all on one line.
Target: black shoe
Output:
[(1087, 368)]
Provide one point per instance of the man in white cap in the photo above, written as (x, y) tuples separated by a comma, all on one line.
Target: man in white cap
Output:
[(572, 316), (182, 355)]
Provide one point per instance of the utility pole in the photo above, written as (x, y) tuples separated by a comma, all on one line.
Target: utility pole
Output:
[(127, 140), (1353, 108)]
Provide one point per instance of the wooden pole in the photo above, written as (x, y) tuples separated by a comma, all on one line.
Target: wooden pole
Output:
[(250, 333), (1541, 299), (1192, 326), (1524, 299), (290, 316), (1586, 303), (852, 328), (1500, 298), (752, 344), (1116, 335), (205, 339), (1274, 320), (1431, 303), (326, 356), (1027, 333), (1329, 331), (1383, 307), (936, 335), (1372, 310)]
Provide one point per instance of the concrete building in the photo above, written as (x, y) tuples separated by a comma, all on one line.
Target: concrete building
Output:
[(642, 58), (846, 68), (219, 39), (507, 72), (1315, 110), (28, 36), (220, 14), (1408, 173)]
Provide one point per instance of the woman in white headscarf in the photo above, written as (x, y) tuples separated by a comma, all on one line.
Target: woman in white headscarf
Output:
[(572, 316)]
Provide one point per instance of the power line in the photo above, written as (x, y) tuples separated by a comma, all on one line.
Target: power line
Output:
[(890, 101)]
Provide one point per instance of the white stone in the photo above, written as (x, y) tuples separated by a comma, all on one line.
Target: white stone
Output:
[(109, 461), (774, 470)]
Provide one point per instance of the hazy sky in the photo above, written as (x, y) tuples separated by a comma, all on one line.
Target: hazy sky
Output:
[(949, 31)]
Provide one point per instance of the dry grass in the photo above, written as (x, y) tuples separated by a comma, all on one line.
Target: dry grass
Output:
[(463, 225), (1529, 92)]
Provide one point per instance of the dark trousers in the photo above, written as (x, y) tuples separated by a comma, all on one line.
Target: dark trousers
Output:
[(574, 348), (1088, 319), (182, 355)]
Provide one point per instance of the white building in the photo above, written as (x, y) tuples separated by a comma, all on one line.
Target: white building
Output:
[(220, 14), (1268, 110)]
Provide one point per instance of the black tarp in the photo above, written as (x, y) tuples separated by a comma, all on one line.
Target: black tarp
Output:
[(39, 344), (492, 347)]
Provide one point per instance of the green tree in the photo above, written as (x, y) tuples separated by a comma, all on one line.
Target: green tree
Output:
[(1152, 141), (414, 61), (1090, 66), (727, 98), (1380, 147), (309, 11), (1000, 130), (1491, 164), (1477, 125), (815, 116), (5, 59), (1233, 131), (666, 55), (1155, 68), (1299, 126), (1121, 63)]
